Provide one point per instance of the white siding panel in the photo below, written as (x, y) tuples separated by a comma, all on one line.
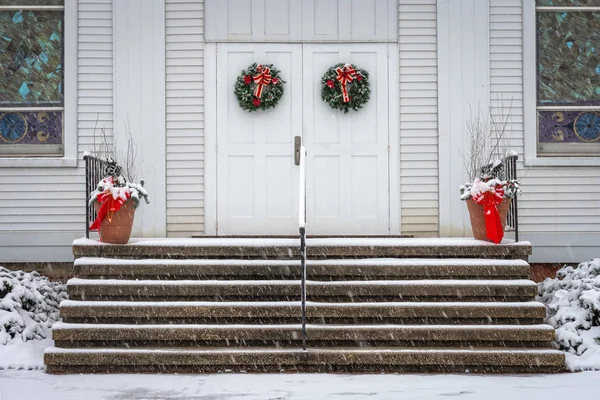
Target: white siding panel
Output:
[(185, 117), (418, 117), (42, 209), (559, 210)]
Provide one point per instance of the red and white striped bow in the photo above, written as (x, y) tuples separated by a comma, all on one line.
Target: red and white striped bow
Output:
[(262, 78), (345, 75)]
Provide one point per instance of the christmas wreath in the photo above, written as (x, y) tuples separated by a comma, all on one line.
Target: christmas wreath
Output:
[(258, 87), (345, 87)]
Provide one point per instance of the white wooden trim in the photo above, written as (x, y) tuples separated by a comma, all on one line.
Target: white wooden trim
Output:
[(32, 246), (529, 82), (139, 101), (69, 159), (394, 174), (210, 138), (444, 101), (551, 161), (70, 131), (36, 162), (32, 7), (463, 82), (530, 101), (301, 29)]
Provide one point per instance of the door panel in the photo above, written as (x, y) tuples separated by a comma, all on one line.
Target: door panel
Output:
[(347, 163), (257, 181)]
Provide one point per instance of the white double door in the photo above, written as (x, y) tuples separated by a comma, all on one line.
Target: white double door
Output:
[(347, 163)]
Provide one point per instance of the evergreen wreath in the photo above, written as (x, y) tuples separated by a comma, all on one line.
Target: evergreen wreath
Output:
[(258, 87), (345, 87)]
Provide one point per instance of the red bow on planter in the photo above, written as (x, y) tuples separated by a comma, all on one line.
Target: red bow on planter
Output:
[(262, 78), (108, 205), (345, 75), (493, 226)]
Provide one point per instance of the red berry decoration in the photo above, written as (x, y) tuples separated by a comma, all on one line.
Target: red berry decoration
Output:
[(330, 84), (258, 87)]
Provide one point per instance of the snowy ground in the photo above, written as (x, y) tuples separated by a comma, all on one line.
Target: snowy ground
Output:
[(17, 385), (17, 354)]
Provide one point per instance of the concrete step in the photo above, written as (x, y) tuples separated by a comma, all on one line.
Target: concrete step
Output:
[(102, 335), (262, 312), (340, 269), (233, 290), (289, 248), (113, 360)]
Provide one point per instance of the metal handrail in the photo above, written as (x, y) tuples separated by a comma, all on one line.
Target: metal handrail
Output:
[(302, 230), (94, 172), (508, 171)]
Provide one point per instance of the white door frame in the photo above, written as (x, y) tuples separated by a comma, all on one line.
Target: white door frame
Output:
[(210, 139), (394, 138)]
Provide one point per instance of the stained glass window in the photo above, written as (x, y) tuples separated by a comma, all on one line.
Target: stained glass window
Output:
[(568, 76), (31, 77)]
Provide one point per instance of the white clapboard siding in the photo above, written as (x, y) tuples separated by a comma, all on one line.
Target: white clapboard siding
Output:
[(559, 210), (95, 75), (42, 209), (185, 117), (418, 117)]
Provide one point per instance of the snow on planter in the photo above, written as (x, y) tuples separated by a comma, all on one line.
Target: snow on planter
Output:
[(573, 302)]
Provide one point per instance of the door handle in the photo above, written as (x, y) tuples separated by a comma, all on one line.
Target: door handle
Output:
[(297, 146)]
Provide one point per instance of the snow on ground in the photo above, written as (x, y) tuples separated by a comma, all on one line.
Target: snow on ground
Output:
[(18, 354), (17, 385)]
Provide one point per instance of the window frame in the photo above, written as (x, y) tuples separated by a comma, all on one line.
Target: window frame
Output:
[(533, 157), (69, 156)]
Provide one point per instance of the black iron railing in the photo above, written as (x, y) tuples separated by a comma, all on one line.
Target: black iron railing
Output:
[(302, 230), (94, 172), (508, 171)]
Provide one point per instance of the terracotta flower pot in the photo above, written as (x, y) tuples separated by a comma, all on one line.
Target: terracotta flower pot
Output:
[(117, 230), (478, 219)]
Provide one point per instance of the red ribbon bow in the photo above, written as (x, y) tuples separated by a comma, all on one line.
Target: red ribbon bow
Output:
[(345, 75), (108, 206), (493, 226), (262, 78)]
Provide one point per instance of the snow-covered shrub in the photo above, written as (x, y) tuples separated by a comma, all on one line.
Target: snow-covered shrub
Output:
[(573, 302), (28, 305)]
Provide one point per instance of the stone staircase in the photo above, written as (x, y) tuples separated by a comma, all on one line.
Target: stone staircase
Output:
[(393, 305)]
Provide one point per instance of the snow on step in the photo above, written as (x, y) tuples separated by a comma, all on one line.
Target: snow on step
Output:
[(314, 242), (296, 283), (236, 351), (297, 304), (342, 269), (259, 359), (293, 327), (486, 290), (289, 248), (238, 333), (258, 311), (344, 262)]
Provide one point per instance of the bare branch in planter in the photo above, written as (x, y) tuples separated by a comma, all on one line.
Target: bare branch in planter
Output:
[(127, 157), (486, 140)]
